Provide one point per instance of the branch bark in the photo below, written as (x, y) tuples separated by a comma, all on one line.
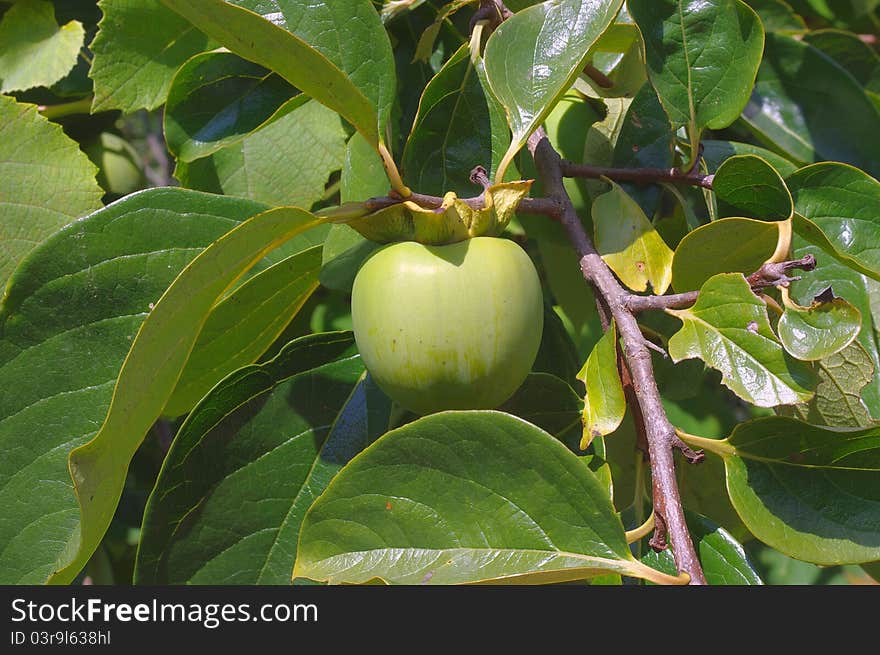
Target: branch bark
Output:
[(636, 175), (659, 431)]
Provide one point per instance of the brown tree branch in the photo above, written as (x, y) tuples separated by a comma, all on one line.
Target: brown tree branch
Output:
[(659, 431), (636, 175), (770, 274)]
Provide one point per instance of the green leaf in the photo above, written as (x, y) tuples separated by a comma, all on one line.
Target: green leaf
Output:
[(337, 53), (747, 185), (601, 140), (557, 354), (820, 330), (567, 127), (844, 204), (617, 55), (425, 45), (559, 265), (533, 58), (838, 401), (285, 163), (646, 140), (362, 174), (244, 324), (345, 249), (628, 242), (252, 457), (218, 98), (32, 148), (702, 57), (516, 506), (781, 474), (36, 51), (604, 402), (778, 16), (139, 47), (71, 311), (728, 329), (547, 402), (726, 246), (852, 54), (856, 289), (723, 558), (807, 107), (158, 356), (459, 125), (716, 153)]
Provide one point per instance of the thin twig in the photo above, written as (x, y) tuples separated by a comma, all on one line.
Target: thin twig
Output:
[(769, 275), (600, 78), (636, 175)]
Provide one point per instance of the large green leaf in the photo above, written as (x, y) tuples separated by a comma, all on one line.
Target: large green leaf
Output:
[(628, 242), (71, 312), (838, 401), (459, 125), (746, 185), (244, 324), (45, 182), (158, 355), (728, 329), (460, 497), (723, 558), (139, 46), (805, 490), (844, 203), (852, 54), (604, 402), (533, 58), (337, 53), (702, 57), (36, 50), (726, 246), (285, 163), (217, 98), (809, 108), (251, 458)]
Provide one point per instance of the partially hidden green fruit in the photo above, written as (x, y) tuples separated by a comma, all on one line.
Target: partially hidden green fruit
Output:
[(455, 326)]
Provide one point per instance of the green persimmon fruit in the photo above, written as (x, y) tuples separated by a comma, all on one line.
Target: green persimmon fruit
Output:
[(455, 326)]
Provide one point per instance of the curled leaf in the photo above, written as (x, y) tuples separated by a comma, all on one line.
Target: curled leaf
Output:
[(826, 327)]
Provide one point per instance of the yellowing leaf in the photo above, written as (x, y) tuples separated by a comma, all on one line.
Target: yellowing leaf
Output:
[(604, 402), (629, 244)]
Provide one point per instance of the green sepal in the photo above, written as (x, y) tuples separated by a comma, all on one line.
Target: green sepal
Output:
[(453, 221)]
